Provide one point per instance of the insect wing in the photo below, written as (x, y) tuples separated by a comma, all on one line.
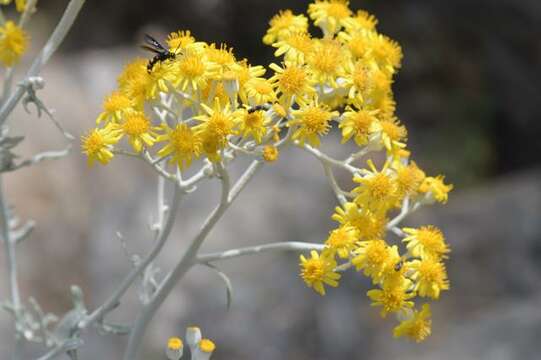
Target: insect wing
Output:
[(154, 43), (151, 49)]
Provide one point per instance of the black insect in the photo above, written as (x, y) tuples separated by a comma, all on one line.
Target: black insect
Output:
[(257, 108), (399, 265), (161, 53)]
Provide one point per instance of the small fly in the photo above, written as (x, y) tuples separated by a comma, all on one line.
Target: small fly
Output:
[(161, 53)]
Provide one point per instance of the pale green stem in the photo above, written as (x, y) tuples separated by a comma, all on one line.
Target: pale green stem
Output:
[(50, 47), (11, 261), (188, 260), (250, 250)]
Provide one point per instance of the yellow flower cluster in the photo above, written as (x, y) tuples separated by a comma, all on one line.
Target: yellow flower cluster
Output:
[(13, 43), (345, 77), (203, 102)]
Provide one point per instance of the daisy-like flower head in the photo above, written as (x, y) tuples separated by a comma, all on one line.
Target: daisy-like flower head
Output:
[(216, 125), (392, 297), (270, 153), (283, 25), (408, 178), (161, 78), (375, 258), (259, 91), (417, 326), (369, 225), (362, 20), (435, 189), (181, 143), (295, 47), (426, 241), (312, 121), (134, 81), (98, 143), (385, 52), (114, 106), (318, 270), (13, 43), (138, 128), (342, 241), (357, 124), (291, 81), (327, 61), (329, 15), (254, 124), (390, 133), (180, 40), (430, 277), (192, 71), (378, 190)]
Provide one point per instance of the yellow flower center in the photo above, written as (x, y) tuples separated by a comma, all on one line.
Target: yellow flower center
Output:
[(136, 125), (394, 131), (292, 80), (174, 343), (220, 124), (191, 66), (179, 40), (93, 143), (206, 345), (326, 57), (313, 270), (116, 102), (340, 238), (254, 119), (362, 121), (301, 42), (270, 153), (316, 119), (182, 139), (380, 186)]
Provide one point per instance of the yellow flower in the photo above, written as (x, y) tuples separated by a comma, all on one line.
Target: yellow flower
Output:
[(427, 241), (178, 41), (259, 91), (341, 241), (221, 61), (114, 106), (391, 133), (98, 144), (283, 25), (329, 15), (375, 258), (361, 21), (182, 143), (317, 271), (174, 343), (139, 130), (313, 121), (430, 277), (327, 61), (435, 188), (206, 345), (270, 153), (417, 327), (368, 225), (291, 81), (216, 125), (385, 52), (295, 47), (357, 124), (392, 297), (134, 81), (378, 190), (253, 124), (192, 71), (408, 178), (13, 43), (162, 76)]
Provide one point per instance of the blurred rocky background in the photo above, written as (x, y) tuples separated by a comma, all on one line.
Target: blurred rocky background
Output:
[(469, 93)]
